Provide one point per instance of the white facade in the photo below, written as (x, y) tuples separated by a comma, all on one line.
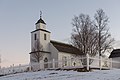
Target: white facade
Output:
[(116, 63), (40, 34), (69, 59), (41, 26), (54, 52)]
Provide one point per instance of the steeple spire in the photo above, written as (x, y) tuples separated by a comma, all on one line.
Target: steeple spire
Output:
[(40, 20)]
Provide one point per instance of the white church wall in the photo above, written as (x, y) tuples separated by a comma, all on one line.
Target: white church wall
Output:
[(46, 55), (35, 65), (54, 52), (40, 37), (33, 38), (116, 59), (72, 60), (63, 54), (116, 62), (46, 42), (40, 26)]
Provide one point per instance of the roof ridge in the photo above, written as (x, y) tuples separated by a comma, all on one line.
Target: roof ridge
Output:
[(61, 42)]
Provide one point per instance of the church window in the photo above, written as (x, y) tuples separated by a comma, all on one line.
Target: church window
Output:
[(45, 37), (35, 36), (64, 59)]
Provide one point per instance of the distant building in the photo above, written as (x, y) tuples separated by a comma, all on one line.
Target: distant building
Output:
[(115, 55), (51, 49)]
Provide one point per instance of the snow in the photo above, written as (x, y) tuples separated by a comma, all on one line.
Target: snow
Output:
[(65, 75)]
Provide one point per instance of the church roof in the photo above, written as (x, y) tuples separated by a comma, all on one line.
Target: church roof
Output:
[(63, 47), (40, 21), (41, 30), (115, 53)]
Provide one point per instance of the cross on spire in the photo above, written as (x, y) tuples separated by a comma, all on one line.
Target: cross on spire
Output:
[(40, 14), (40, 20)]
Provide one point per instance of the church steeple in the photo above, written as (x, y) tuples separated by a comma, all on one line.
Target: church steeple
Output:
[(40, 34), (41, 20), (40, 24)]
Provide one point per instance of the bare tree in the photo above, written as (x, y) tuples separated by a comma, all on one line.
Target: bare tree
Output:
[(92, 37), (104, 37), (84, 35), (37, 54)]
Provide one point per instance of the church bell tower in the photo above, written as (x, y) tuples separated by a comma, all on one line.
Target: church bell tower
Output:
[(41, 36)]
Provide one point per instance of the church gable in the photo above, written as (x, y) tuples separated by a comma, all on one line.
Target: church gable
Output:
[(62, 47)]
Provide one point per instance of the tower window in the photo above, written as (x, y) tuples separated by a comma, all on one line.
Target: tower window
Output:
[(45, 37), (35, 36)]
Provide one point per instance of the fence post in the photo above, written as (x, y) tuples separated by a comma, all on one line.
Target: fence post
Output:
[(61, 63), (42, 63), (19, 68), (30, 66), (69, 62), (110, 63), (13, 68), (53, 63), (100, 62), (3, 71), (87, 61)]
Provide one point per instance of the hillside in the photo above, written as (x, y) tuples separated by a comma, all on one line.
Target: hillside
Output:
[(65, 75)]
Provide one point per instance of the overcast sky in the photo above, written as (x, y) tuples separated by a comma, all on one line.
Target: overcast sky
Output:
[(18, 18)]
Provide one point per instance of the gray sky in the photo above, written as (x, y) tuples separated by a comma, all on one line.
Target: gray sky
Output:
[(18, 18)]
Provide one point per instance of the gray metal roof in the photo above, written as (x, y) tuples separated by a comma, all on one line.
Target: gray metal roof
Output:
[(40, 21), (63, 47), (115, 53)]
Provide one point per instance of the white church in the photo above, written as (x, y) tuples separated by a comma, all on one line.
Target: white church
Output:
[(51, 49)]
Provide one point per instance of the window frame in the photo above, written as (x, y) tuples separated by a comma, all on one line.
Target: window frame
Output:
[(35, 36), (45, 36)]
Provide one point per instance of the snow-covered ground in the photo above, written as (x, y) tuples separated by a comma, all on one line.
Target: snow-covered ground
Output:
[(65, 75)]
